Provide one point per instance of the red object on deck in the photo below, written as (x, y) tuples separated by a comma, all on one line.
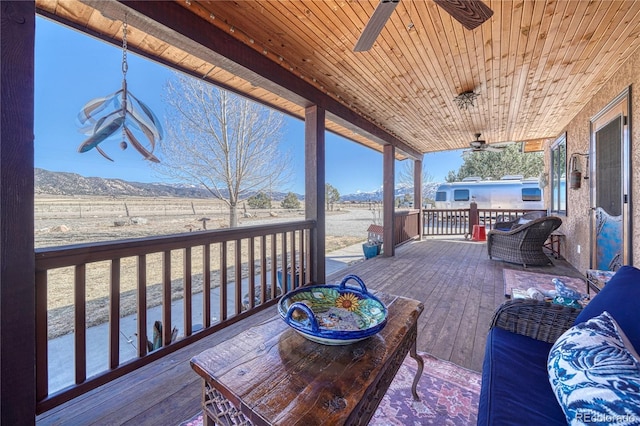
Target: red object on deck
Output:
[(479, 233)]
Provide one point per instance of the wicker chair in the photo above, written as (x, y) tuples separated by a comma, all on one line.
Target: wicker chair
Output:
[(524, 244)]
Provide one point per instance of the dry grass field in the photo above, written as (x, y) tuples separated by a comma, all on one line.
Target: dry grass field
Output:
[(71, 220)]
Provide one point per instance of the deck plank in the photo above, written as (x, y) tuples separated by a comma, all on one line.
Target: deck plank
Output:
[(454, 278)]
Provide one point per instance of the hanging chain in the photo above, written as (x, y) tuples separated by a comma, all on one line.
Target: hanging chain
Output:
[(125, 66)]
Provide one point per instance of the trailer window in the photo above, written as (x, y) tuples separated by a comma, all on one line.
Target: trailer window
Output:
[(461, 195), (531, 194), (441, 196)]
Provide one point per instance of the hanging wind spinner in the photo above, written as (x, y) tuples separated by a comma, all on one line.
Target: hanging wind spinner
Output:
[(102, 117)]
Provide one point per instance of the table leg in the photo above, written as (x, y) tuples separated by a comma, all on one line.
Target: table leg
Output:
[(414, 354)]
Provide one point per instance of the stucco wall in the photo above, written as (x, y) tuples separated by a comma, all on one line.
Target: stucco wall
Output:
[(576, 225)]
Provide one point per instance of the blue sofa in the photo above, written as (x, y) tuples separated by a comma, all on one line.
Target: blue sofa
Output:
[(515, 379)]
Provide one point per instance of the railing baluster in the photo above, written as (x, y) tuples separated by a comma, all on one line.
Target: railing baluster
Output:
[(223, 281), (286, 284), (114, 315), (274, 267), (80, 325), (142, 305), (263, 268), (303, 262), (186, 279), (166, 297), (42, 341), (294, 272), (206, 285), (238, 276), (252, 272)]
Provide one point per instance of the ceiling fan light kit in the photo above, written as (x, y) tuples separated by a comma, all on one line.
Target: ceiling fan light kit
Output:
[(467, 99), (480, 145)]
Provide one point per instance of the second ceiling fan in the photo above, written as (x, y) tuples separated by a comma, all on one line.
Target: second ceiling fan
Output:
[(470, 13), (480, 145)]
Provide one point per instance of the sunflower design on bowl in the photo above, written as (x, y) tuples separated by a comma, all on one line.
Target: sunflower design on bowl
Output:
[(334, 314), (348, 301)]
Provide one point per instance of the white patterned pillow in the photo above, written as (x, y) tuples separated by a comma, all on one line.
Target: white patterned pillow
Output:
[(595, 374)]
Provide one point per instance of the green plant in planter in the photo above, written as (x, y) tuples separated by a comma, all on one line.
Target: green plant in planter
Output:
[(371, 248)]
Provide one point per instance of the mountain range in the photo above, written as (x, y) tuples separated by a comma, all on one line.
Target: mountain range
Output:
[(64, 183)]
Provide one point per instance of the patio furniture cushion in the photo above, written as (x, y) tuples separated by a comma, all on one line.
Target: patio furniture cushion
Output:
[(620, 298), (515, 385), (595, 372), (506, 223)]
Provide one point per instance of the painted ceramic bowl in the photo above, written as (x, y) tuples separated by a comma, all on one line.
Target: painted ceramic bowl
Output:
[(334, 314)]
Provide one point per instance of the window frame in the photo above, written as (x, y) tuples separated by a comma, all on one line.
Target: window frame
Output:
[(531, 194), (460, 191), (558, 171)]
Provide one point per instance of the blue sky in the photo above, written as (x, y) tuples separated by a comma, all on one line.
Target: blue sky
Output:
[(73, 68)]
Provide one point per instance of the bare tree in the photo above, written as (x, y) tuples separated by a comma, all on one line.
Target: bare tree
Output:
[(405, 177), (224, 142)]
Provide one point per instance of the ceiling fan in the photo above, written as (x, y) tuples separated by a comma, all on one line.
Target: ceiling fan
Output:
[(470, 13), (479, 145)]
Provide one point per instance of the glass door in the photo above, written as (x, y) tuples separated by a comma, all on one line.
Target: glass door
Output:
[(610, 187)]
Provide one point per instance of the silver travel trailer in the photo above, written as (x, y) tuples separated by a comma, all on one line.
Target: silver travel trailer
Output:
[(507, 193)]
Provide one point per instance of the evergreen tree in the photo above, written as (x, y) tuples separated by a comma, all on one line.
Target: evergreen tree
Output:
[(290, 202), (259, 201), (494, 165)]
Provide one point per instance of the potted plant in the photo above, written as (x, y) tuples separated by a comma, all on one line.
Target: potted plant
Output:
[(371, 248)]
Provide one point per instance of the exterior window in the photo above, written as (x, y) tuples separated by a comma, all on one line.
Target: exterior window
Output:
[(559, 175), (531, 194), (441, 196), (461, 195)]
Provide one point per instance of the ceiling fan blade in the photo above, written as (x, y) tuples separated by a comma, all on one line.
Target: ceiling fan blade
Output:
[(371, 31), (470, 13), (493, 149)]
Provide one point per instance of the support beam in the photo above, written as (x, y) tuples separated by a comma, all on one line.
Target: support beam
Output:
[(417, 192), (314, 198), (17, 276), (388, 200)]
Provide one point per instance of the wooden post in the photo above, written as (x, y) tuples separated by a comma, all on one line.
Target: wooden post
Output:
[(388, 191), (417, 192), (474, 217), (314, 197), (17, 279)]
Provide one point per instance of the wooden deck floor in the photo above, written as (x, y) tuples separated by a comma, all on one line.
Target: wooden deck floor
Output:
[(458, 284)]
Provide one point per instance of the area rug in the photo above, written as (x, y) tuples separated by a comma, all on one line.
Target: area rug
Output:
[(524, 280), (448, 396)]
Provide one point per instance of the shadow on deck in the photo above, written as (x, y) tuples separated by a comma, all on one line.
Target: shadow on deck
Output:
[(454, 278)]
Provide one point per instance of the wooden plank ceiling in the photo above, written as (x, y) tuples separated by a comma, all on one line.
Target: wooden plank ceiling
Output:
[(534, 64)]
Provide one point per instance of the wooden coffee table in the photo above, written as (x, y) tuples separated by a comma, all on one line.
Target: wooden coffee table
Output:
[(271, 375)]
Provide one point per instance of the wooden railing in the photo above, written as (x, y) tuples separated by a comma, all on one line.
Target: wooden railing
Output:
[(244, 273), (445, 222), (461, 221), (406, 226)]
